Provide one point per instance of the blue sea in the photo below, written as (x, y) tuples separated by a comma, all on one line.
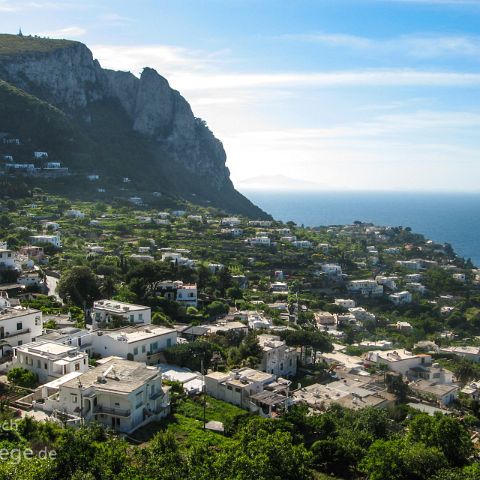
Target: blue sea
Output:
[(443, 217)]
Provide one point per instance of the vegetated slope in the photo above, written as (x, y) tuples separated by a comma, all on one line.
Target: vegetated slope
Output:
[(57, 98)]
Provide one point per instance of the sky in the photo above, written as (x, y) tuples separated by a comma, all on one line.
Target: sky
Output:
[(304, 94)]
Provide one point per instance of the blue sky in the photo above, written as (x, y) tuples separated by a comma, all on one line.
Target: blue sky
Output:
[(338, 94)]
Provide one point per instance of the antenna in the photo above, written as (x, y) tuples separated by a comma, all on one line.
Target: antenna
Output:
[(20, 34)]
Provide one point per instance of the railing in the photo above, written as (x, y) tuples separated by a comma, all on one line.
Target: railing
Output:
[(119, 412)]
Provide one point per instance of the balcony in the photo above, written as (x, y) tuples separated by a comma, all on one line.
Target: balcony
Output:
[(14, 334), (116, 412)]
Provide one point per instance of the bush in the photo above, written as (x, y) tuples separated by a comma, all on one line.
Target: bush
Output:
[(22, 377)]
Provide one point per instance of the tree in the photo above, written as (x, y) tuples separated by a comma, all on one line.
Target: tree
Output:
[(79, 286), (22, 377)]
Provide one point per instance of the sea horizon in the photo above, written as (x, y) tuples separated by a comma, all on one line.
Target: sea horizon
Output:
[(445, 217)]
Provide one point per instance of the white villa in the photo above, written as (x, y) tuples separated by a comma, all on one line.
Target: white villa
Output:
[(401, 298), (107, 310), (278, 358), (120, 394), (50, 360)]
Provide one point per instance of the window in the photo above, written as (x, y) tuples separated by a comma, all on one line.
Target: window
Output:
[(281, 366), (19, 326), (20, 342), (84, 361), (154, 346), (140, 316), (39, 364), (132, 318), (74, 398), (117, 404), (144, 348), (135, 351), (77, 367), (169, 342), (290, 362), (37, 320), (138, 399), (229, 387), (45, 366), (237, 390)]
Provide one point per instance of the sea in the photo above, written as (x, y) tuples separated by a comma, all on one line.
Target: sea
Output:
[(442, 217)]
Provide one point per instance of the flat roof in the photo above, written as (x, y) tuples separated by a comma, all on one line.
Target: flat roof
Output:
[(136, 334), (125, 376), (13, 312), (115, 306), (46, 348)]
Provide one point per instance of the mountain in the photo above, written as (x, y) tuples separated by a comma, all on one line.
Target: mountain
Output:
[(57, 98)]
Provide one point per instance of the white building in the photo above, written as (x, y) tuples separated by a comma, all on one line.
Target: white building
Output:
[(231, 221), (401, 298), (50, 360), (416, 287), (187, 295), (400, 361), (257, 321), (140, 344), (471, 353), (366, 288), (278, 358), (40, 155), (331, 269), (18, 325), (442, 393), (459, 277), (279, 287), (362, 315), (7, 259), (105, 311), (410, 264), (302, 243), (118, 393), (345, 302), (46, 239), (388, 282), (259, 241), (248, 388)]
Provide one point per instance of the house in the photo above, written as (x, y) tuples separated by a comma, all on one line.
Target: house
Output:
[(259, 241), (345, 302), (31, 279), (135, 200), (18, 325), (195, 218), (353, 393), (472, 390), (185, 294), (410, 264), (93, 177), (323, 247), (105, 311), (142, 257), (325, 318), (257, 321), (388, 282), (139, 343), (40, 155), (401, 298), (24, 167), (120, 394), (74, 214), (378, 344), (260, 223), (33, 252), (416, 287), (362, 315), (302, 244), (231, 221), (192, 382), (241, 281), (226, 326), (470, 353), (442, 393), (278, 358), (247, 388), (279, 287), (46, 240), (7, 259), (402, 326), (413, 277), (400, 361), (433, 373), (331, 269), (459, 277), (49, 360), (214, 268), (366, 288)]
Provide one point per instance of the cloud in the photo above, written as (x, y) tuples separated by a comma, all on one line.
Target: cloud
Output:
[(10, 6), (414, 45), (66, 32)]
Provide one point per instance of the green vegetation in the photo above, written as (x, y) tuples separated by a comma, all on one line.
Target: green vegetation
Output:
[(15, 45), (22, 377)]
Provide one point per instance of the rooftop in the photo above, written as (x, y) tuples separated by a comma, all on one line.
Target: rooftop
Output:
[(136, 334), (116, 375), (12, 312), (113, 306)]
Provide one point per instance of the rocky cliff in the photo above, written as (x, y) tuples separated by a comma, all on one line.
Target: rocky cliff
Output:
[(167, 136)]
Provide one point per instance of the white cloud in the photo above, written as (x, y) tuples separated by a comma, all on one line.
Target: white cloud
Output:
[(414, 45), (66, 32)]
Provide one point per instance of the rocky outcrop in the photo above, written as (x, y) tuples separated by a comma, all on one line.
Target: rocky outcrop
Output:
[(69, 78)]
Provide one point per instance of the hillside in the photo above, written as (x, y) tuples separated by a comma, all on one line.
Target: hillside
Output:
[(57, 98)]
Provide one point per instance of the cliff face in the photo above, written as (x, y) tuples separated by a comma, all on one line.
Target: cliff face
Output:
[(68, 77)]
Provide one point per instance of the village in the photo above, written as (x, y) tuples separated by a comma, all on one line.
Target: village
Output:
[(261, 315)]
